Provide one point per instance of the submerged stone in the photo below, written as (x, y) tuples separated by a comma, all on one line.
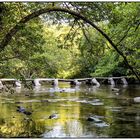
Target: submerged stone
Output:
[(96, 100), (18, 102), (117, 93), (94, 119), (27, 113), (23, 110), (103, 124), (82, 101), (115, 89), (97, 122), (27, 95), (53, 116), (96, 104), (45, 100), (20, 109)]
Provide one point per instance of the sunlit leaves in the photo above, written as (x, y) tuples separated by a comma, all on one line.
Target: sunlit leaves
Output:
[(109, 65), (54, 45)]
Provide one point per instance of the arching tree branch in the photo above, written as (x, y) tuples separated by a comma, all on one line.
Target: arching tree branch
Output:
[(21, 23)]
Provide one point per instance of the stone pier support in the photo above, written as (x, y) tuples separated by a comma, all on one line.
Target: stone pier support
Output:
[(1, 84), (124, 81), (55, 82), (36, 82), (111, 81), (18, 83), (76, 82), (95, 82)]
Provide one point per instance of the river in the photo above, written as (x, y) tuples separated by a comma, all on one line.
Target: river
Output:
[(118, 114)]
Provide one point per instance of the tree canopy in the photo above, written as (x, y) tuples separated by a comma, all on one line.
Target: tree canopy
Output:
[(69, 39)]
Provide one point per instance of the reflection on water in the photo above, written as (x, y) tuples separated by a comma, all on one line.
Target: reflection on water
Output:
[(119, 115)]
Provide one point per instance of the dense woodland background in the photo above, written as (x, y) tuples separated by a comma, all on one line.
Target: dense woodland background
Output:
[(59, 44)]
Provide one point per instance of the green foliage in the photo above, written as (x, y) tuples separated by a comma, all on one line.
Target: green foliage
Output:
[(54, 45), (109, 65), (126, 31), (59, 52)]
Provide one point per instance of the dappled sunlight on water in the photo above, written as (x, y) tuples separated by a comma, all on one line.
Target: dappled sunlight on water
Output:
[(115, 112)]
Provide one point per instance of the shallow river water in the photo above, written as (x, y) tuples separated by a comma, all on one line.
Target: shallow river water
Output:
[(115, 114)]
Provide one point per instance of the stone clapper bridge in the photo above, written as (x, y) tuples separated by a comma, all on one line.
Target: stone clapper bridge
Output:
[(91, 81)]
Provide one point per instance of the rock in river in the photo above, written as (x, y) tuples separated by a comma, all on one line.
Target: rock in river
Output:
[(20, 109), (23, 110), (97, 121), (27, 113), (103, 124), (96, 102), (94, 119), (53, 116), (137, 99), (115, 89)]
